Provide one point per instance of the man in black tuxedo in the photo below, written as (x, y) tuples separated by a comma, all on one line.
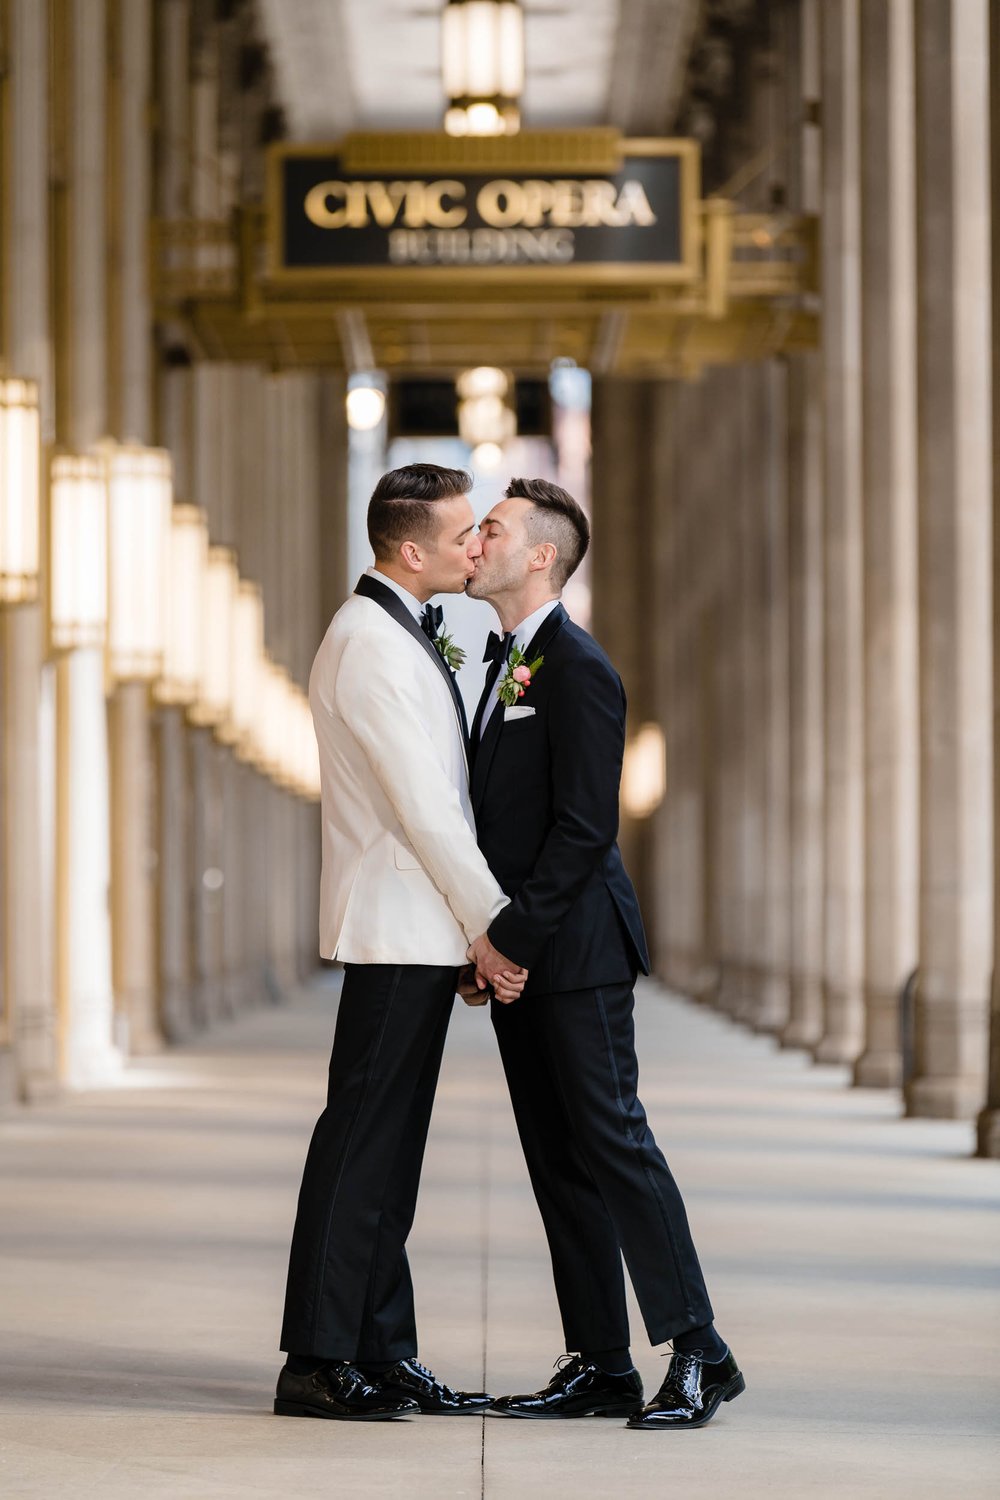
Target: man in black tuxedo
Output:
[(547, 759)]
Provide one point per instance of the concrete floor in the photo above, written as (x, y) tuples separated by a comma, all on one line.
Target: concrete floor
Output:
[(852, 1260)]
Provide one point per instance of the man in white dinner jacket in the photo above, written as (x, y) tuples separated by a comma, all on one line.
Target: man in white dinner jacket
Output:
[(404, 892)]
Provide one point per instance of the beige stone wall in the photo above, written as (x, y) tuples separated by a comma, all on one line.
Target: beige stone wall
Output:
[(150, 883), (820, 529)]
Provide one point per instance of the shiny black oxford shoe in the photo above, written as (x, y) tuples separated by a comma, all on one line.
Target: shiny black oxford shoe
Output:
[(338, 1390), (691, 1394), (577, 1389), (412, 1380)]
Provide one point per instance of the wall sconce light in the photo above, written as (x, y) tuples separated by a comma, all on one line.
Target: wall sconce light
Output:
[(644, 774), (20, 491), (248, 654), (184, 610), (305, 768), (213, 702), (79, 539), (271, 725), (482, 62), (140, 495)]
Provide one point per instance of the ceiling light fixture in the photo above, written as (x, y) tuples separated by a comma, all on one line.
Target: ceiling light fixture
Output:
[(483, 66), (365, 400)]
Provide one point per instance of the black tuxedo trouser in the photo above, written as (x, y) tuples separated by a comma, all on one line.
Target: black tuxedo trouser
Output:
[(349, 1292), (602, 1185)]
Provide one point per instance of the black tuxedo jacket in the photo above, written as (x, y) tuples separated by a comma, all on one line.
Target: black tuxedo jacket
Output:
[(545, 797)]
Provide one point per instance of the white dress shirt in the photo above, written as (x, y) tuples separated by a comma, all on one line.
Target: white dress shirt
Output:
[(523, 635), (411, 601)]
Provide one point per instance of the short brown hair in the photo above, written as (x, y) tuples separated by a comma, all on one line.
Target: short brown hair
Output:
[(557, 518), (401, 506)]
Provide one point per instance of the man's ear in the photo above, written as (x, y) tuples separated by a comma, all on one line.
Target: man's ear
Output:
[(543, 556), (412, 556)]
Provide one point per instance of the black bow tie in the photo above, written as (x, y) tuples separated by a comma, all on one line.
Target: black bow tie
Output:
[(431, 621), (498, 646)]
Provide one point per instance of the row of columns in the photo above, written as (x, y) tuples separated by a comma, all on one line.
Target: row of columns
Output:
[(151, 883), (820, 530)]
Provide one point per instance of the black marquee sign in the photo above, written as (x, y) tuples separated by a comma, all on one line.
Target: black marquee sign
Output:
[(636, 223)]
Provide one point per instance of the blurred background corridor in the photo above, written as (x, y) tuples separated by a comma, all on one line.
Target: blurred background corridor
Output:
[(727, 270), (722, 268)]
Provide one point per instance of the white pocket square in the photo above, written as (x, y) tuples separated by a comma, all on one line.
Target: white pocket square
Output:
[(517, 712)]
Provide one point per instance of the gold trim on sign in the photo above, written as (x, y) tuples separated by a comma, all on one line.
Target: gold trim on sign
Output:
[(642, 273), (597, 149)]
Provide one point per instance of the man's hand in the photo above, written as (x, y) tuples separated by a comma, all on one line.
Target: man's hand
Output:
[(471, 988), (507, 979)]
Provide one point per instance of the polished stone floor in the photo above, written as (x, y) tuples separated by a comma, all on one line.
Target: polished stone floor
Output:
[(853, 1261)]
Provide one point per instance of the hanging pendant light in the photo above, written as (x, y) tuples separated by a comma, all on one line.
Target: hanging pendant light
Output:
[(484, 415), (483, 66)]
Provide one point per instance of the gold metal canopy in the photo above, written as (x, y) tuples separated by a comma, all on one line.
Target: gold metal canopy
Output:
[(747, 289)]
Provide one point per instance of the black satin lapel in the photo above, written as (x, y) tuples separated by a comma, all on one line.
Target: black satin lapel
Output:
[(553, 621), (484, 752), (491, 679), (370, 588)]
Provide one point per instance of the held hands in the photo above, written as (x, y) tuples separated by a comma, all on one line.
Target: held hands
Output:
[(473, 992), (491, 967)]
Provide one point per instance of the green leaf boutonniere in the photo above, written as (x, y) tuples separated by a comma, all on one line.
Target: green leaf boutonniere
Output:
[(519, 676), (453, 655)]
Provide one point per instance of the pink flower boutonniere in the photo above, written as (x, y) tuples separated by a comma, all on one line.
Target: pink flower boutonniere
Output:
[(518, 678)]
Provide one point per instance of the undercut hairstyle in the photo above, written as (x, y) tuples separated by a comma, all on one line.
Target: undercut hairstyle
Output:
[(557, 518), (401, 508)]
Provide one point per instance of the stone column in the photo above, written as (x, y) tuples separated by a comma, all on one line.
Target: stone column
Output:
[(843, 1004), (622, 511), (207, 876), (888, 260), (675, 667), (175, 876), (805, 575), (133, 840), (667, 821), (729, 689), (83, 852), (804, 1027), (26, 684), (956, 857), (988, 1142), (774, 995), (751, 493), (174, 795)]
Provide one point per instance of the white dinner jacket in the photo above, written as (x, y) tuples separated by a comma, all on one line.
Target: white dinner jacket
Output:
[(403, 879)]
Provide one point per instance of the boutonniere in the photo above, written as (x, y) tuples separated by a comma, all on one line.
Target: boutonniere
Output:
[(453, 655), (519, 677)]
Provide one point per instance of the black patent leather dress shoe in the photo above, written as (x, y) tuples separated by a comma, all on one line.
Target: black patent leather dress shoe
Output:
[(577, 1389), (338, 1390), (412, 1379), (691, 1394)]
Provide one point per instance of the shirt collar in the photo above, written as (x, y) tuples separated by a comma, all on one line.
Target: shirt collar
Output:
[(525, 633), (412, 603)]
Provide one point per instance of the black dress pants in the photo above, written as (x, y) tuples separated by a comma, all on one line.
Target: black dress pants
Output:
[(349, 1293), (602, 1185)]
